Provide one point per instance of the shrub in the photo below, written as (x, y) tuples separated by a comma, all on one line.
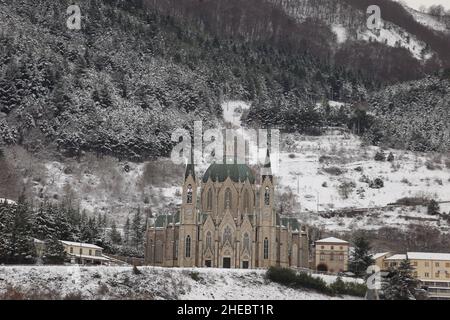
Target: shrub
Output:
[(390, 157), (377, 183), (335, 171), (195, 276), (433, 208), (292, 156), (290, 278), (136, 271), (380, 156)]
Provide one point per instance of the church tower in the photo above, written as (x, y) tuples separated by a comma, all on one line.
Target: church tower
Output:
[(267, 217), (188, 219)]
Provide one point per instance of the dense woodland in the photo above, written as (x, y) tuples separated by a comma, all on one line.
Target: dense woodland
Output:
[(22, 223), (138, 69)]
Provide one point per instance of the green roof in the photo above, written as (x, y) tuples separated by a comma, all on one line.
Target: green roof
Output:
[(236, 172)]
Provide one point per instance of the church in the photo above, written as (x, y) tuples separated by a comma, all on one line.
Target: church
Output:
[(227, 220)]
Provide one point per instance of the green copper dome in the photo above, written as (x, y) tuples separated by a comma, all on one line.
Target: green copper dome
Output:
[(222, 171)]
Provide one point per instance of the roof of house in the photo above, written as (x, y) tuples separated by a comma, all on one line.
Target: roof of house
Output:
[(332, 240), (397, 257), (379, 255), (80, 244), (83, 256), (428, 256), (421, 256), (7, 201)]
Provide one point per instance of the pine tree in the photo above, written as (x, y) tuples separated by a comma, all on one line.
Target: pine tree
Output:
[(400, 284), (114, 235), (136, 229), (54, 252), (360, 258), (126, 232), (433, 208)]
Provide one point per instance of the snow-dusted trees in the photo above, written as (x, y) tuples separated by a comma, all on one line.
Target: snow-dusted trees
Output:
[(400, 283), (361, 258)]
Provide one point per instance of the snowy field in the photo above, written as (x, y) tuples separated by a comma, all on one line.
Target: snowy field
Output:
[(154, 283)]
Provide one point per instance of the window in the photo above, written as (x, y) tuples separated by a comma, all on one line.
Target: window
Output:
[(447, 275), (81, 250), (436, 275), (267, 197), (331, 256), (227, 236), (246, 201), (208, 240), (159, 251), (322, 257), (341, 247), (341, 257), (188, 247), (209, 200), (246, 242), (227, 198), (266, 248), (322, 247), (71, 249), (332, 247), (90, 252), (189, 194), (427, 275), (437, 264)]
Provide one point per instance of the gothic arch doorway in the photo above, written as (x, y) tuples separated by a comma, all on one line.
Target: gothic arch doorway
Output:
[(322, 267)]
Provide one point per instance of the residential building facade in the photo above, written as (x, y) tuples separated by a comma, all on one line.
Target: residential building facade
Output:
[(331, 255)]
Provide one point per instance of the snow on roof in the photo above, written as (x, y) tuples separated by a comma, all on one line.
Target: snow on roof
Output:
[(8, 201), (84, 256), (397, 257), (428, 256), (421, 256), (331, 240), (80, 244), (379, 255)]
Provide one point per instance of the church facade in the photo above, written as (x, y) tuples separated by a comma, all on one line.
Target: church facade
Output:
[(226, 220)]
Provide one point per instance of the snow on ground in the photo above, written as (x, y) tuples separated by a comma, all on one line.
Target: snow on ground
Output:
[(314, 168), (69, 282), (428, 20), (341, 32)]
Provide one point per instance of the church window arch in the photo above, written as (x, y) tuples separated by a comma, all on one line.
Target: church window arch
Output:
[(209, 199), (246, 242), (267, 196), (189, 194), (266, 248), (228, 198), (227, 235), (159, 251), (188, 247), (208, 240), (246, 201)]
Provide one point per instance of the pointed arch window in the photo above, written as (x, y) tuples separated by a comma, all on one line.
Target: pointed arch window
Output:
[(246, 242), (246, 201), (266, 248), (188, 247), (209, 198), (159, 252), (208, 240), (227, 235), (267, 196), (228, 198), (189, 194)]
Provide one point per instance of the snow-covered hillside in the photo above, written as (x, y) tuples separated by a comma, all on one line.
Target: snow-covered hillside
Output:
[(73, 282), (428, 20)]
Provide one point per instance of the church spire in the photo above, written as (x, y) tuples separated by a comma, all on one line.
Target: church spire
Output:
[(190, 166), (267, 168)]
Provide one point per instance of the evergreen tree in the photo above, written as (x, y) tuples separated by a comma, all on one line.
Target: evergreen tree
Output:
[(400, 284), (136, 229), (54, 252), (433, 208), (126, 232), (360, 258), (114, 235)]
